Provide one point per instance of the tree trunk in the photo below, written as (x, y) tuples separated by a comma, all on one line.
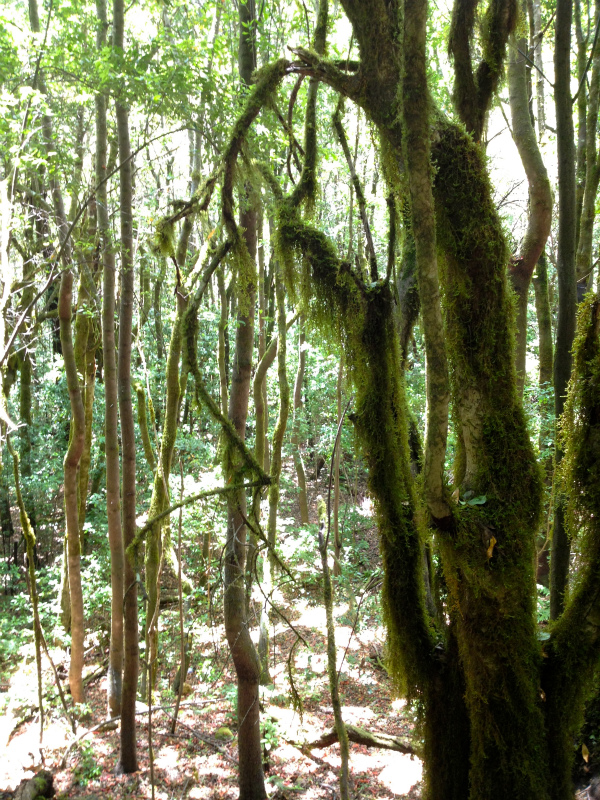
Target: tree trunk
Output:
[(85, 358), (583, 266), (296, 436), (128, 756), (113, 472), (337, 536), (276, 464), (540, 195), (245, 659), (72, 458), (567, 290)]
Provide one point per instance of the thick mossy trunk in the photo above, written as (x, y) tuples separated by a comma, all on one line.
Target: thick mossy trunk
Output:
[(489, 556), (573, 651)]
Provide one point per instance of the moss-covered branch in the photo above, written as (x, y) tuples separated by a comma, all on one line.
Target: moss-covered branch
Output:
[(473, 89), (143, 423), (417, 154)]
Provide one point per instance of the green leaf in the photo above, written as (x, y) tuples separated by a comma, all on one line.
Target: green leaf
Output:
[(477, 501)]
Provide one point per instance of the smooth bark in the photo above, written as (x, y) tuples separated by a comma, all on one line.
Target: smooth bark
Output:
[(522, 267), (128, 755), (567, 289), (71, 464)]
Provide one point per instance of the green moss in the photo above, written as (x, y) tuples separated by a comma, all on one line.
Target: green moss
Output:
[(164, 238), (489, 560), (574, 648), (361, 317)]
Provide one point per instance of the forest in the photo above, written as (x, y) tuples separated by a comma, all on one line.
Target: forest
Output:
[(300, 407)]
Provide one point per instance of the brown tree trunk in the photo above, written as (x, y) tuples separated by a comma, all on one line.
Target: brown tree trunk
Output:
[(540, 195), (245, 659), (72, 458), (296, 437), (567, 289), (128, 756), (113, 471)]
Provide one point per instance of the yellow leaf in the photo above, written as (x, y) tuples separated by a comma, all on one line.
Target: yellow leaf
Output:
[(490, 550), (211, 234), (585, 753)]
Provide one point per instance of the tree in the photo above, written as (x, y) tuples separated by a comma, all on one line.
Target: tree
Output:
[(128, 758), (508, 737)]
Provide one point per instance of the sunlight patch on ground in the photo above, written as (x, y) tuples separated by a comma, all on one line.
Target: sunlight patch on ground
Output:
[(357, 715), (168, 759), (401, 776), (399, 772)]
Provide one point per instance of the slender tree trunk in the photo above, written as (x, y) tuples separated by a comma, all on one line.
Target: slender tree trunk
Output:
[(128, 757), (418, 157), (245, 659), (72, 458), (581, 42), (567, 290), (296, 438), (337, 537), (85, 358), (538, 34), (583, 264), (276, 463), (113, 472), (540, 195), (332, 672), (545, 355), (158, 325), (160, 491)]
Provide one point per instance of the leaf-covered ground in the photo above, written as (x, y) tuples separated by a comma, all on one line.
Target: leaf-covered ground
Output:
[(194, 763), (197, 762)]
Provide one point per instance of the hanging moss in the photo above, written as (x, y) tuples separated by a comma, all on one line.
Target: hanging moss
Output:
[(164, 238), (361, 317)]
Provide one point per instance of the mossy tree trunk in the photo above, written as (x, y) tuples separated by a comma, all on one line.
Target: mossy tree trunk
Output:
[(487, 549)]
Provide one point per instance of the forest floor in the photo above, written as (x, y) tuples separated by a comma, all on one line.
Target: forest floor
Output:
[(199, 761), (195, 764)]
